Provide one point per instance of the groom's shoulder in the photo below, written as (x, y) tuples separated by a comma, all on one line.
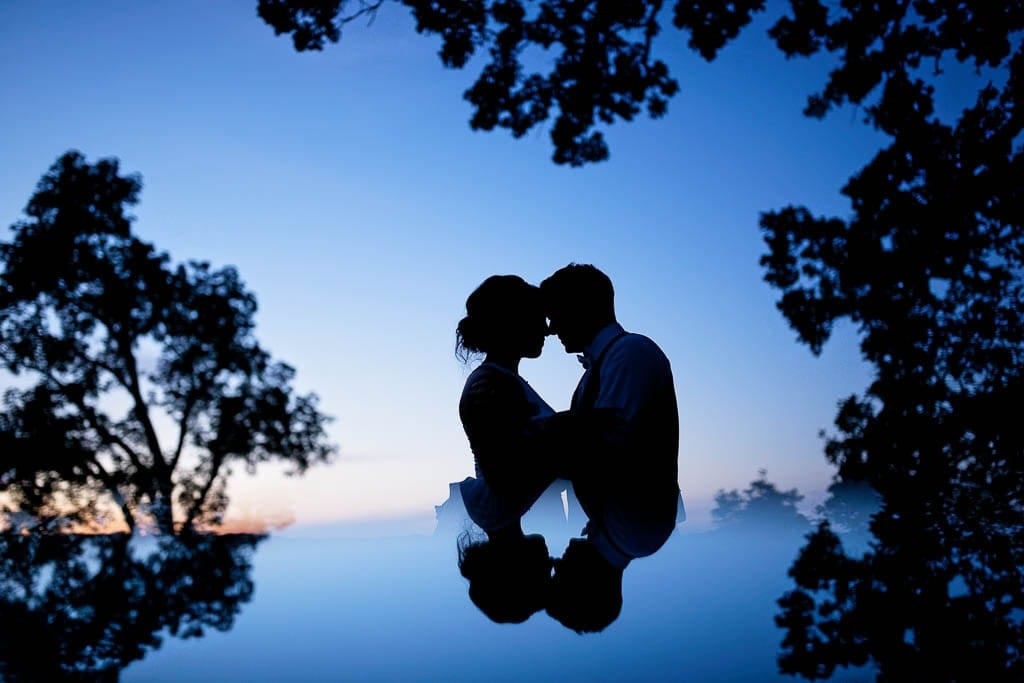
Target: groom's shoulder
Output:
[(640, 342), (639, 347)]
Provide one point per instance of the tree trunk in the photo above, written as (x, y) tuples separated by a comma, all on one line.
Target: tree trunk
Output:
[(197, 505), (126, 512), (162, 508)]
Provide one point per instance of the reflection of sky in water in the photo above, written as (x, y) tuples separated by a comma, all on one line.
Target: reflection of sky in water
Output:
[(396, 609)]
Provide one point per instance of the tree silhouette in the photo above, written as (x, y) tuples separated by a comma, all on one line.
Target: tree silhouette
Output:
[(141, 382), (76, 607), (602, 69), (760, 507), (850, 507), (929, 270)]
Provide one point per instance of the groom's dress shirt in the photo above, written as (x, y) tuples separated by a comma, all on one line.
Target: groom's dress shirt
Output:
[(633, 372), (634, 503)]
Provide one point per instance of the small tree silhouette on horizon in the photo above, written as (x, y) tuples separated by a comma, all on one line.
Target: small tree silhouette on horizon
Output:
[(762, 505)]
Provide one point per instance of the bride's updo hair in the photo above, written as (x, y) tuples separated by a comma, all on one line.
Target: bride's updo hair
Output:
[(491, 310)]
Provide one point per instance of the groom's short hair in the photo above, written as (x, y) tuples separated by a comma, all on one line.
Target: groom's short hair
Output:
[(582, 286), (585, 593)]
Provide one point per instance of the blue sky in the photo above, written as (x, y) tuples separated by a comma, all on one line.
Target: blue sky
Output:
[(357, 204)]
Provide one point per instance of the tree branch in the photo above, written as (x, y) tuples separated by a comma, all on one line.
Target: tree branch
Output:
[(216, 460), (111, 485), (96, 361), (141, 408), (107, 436), (93, 420), (650, 29), (190, 404), (365, 8)]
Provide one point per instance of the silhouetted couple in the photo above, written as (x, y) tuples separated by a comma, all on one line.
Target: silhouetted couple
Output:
[(617, 445)]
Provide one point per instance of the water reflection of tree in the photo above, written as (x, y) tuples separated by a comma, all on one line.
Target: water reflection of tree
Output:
[(78, 607), (935, 598)]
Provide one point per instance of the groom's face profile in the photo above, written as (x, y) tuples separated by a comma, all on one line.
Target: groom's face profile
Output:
[(568, 327), (579, 302)]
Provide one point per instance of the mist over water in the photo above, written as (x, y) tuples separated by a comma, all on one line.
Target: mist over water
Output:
[(396, 608)]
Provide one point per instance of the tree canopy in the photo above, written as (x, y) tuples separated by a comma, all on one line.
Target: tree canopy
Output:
[(600, 65), (138, 384)]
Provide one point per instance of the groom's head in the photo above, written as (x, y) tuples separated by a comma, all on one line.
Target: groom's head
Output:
[(579, 300), (586, 591)]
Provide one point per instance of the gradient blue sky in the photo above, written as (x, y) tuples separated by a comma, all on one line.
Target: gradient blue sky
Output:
[(349, 191)]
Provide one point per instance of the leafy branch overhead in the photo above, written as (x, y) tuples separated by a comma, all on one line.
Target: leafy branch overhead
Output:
[(599, 63), (603, 68), (145, 384)]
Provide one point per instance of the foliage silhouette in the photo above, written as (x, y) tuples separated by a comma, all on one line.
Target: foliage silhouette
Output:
[(849, 508), (761, 507), (80, 607), (929, 269), (602, 67), (145, 383)]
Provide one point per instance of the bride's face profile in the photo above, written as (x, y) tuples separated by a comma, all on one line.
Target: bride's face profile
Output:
[(534, 330), (525, 324), (523, 334)]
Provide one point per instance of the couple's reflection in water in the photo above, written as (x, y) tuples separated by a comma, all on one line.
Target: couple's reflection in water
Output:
[(82, 607), (513, 574)]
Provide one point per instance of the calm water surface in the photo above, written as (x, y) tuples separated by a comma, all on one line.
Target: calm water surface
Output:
[(396, 609)]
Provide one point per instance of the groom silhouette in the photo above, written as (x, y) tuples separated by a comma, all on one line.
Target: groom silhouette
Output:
[(624, 463)]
